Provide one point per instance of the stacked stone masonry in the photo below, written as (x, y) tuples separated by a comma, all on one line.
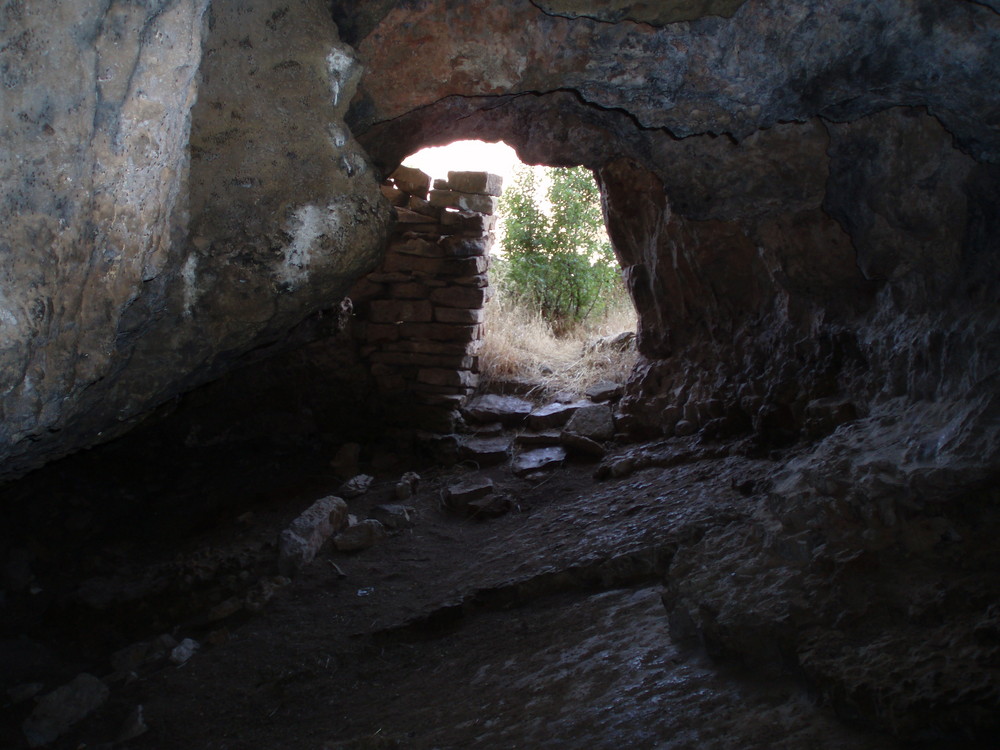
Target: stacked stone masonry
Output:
[(420, 313)]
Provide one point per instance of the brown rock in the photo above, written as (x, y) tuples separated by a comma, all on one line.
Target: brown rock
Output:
[(457, 315), (465, 297), (398, 311), (480, 183), (412, 181)]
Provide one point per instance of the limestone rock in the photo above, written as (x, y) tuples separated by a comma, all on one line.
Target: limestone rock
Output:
[(411, 180), (594, 421), (357, 485), (300, 542), (480, 183), (58, 711)]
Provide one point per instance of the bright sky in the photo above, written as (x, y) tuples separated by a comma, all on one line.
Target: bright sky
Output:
[(466, 156)]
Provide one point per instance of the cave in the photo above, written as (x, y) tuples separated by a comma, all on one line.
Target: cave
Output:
[(788, 537)]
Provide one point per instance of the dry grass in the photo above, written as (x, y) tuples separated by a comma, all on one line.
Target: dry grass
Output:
[(519, 344)]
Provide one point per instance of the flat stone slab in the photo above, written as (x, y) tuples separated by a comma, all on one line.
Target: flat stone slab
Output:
[(459, 496), (606, 390), (486, 451), (538, 439), (539, 459), (509, 410), (553, 415), (595, 421)]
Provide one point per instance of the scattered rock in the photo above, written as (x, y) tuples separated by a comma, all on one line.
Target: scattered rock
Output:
[(361, 536), (594, 421), (300, 542), (583, 446), (133, 726), (458, 496), (606, 390), (393, 516), (356, 486), (407, 485), (509, 410), (485, 451), (347, 460), (553, 415), (64, 707), (538, 459), (184, 651)]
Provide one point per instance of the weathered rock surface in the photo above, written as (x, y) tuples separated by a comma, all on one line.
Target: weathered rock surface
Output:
[(594, 421), (538, 459), (300, 542), (160, 272), (508, 410), (360, 536)]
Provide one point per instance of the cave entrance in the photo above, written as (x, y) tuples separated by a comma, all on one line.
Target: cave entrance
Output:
[(496, 280)]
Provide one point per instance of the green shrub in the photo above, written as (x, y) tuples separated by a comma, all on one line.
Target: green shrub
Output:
[(557, 255)]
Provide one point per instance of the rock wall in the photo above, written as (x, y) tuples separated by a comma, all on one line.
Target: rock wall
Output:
[(179, 190), (419, 315)]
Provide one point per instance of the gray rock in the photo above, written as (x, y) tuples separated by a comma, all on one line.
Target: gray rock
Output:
[(606, 390), (184, 650), (393, 516), (300, 542), (133, 726), (361, 536), (64, 707), (536, 460), (594, 421), (553, 415), (356, 486), (407, 485), (684, 428), (490, 506), (509, 410), (458, 496), (485, 451)]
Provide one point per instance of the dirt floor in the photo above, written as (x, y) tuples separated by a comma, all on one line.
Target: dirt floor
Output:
[(542, 627)]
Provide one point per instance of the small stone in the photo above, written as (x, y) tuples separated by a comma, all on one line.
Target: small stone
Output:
[(393, 516), (361, 536), (458, 496), (606, 390), (64, 707), (508, 410), (539, 459), (357, 486), (304, 537), (411, 180), (594, 421), (184, 651)]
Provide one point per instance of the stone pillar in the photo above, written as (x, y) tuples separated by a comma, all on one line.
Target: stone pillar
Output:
[(420, 314)]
